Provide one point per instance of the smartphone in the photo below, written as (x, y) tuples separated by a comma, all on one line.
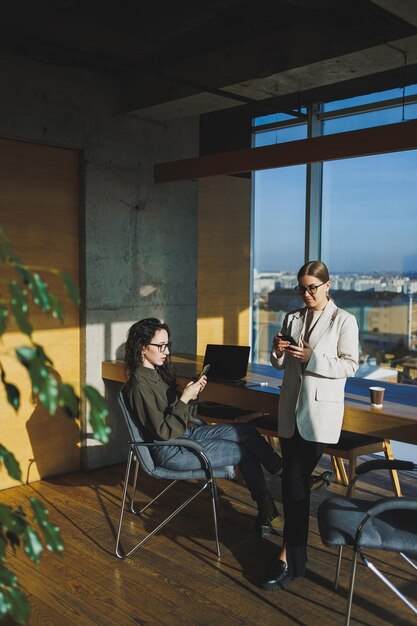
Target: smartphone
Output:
[(288, 338), (204, 370)]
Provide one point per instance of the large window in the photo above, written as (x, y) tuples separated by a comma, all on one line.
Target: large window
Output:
[(367, 214), (278, 240)]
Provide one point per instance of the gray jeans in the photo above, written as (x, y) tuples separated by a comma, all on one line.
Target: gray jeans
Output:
[(229, 444)]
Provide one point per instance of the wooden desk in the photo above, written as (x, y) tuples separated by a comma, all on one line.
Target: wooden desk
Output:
[(397, 420)]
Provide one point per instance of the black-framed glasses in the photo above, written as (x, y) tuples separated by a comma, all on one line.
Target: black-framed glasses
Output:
[(162, 347), (312, 289)]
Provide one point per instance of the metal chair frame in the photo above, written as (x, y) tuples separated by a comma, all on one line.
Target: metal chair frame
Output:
[(380, 506), (136, 448)]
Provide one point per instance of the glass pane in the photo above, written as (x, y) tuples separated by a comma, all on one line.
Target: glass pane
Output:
[(369, 242), (379, 96), (275, 117), (278, 251), (369, 119), (280, 135)]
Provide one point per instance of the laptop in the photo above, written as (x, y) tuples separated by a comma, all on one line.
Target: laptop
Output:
[(227, 363)]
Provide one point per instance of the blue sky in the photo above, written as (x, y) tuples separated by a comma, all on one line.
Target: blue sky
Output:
[(369, 208)]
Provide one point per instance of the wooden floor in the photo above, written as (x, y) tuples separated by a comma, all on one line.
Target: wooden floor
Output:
[(176, 578)]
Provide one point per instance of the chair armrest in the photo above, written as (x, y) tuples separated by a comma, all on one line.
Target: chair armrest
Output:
[(384, 464), (380, 506), (370, 466), (185, 443)]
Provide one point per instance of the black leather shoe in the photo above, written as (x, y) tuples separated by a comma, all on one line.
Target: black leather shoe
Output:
[(320, 480), (277, 576)]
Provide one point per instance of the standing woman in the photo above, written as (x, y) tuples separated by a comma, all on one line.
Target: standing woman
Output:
[(311, 405)]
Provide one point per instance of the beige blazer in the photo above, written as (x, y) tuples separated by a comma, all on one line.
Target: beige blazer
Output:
[(312, 395)]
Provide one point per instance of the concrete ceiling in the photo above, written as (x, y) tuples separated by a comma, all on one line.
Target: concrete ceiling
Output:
[(188, 57)]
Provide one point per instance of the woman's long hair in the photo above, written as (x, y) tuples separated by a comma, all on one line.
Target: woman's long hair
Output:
[(139, 336)]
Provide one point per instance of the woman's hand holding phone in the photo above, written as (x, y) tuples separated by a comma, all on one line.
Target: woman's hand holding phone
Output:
[(282, 342), (302, 353), (192, 390), (194, 387)]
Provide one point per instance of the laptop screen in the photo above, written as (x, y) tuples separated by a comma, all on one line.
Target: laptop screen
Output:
[(229, 363)]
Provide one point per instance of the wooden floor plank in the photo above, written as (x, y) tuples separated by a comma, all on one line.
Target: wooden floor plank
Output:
[(176, 578)]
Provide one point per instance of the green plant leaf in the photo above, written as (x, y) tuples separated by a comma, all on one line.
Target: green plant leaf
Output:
[(12, 392), (44, 382), (13, 396), (13, 539), (68, 401), (11, 465), (98, 413), (4, 314), (32, 544), (3, 546), (13, 522), (40, 292), (41, 354), (26, 354), (7, 577), (24, 273), (56, 308), (19, 606), (50, 532), (19, 303), (72, 290), (46, 386)]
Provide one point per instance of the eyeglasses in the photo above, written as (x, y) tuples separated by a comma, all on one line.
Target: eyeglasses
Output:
[(162, 347), (312, 289)]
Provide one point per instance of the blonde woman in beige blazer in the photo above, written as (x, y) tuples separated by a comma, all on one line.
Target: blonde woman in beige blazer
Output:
[(318, 349)]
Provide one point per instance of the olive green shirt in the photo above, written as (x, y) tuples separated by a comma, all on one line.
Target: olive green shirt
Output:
[(160, 413)]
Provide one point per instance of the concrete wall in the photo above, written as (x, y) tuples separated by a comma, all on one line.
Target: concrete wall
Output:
[(140, 240)]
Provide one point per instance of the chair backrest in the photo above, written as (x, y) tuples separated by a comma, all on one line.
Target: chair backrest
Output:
[(135, 434), (145, 458)]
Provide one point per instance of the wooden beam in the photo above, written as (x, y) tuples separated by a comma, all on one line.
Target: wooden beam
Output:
[(378, 140)]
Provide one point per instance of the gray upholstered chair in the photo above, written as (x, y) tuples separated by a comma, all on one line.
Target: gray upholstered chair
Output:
[(139, 451), (384, 524)]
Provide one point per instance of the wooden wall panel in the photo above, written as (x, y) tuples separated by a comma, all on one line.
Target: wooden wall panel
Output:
[(224, 214), (39, 212)]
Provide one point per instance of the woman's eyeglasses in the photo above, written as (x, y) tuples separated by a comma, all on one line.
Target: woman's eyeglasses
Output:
[(162, 347), (312, 289)]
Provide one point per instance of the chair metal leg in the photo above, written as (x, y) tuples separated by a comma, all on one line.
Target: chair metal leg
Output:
[(352, 583), (215, 504), (389, 584), (161, 493), (122, 511), (209, 481), (135, 480), (409, 561), (339, 563)]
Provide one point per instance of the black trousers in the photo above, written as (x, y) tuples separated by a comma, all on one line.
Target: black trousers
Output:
[(300, 458)]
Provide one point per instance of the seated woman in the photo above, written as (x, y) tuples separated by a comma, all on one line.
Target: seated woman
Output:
[(164, 413)]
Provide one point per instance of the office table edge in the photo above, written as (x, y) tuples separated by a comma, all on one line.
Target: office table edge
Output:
[(394, 421)]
